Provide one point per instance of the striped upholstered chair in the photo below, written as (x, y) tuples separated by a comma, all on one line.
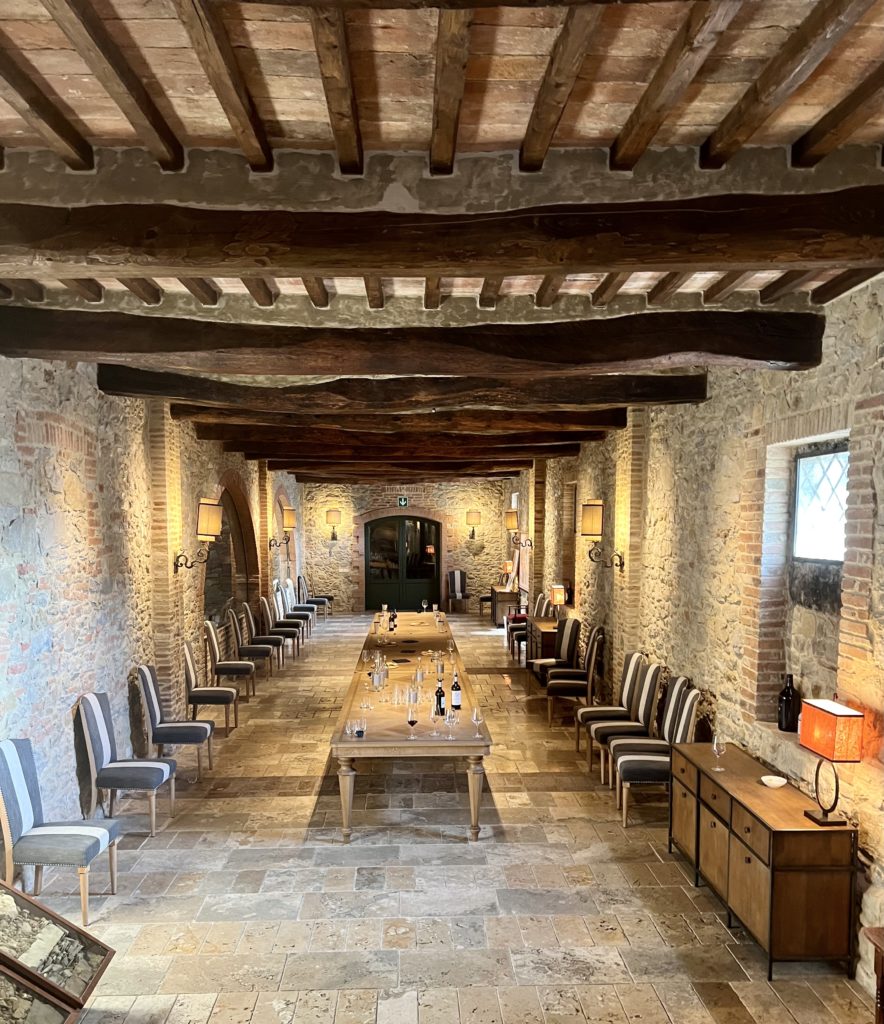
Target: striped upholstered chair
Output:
[(310, 595), (622, 708), (646, 762), (292, 607), (228, 668), (276, 625), (457, 588), (564, 653), (254, 636), (517, 625), (211, 696), (260, 654), (321, 603), (162, 732), (29, 840), (601, 733), (576, 683), (109, 772)]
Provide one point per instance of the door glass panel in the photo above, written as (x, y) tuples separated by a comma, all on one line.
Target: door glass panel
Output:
[(421, 549), (383, 558)]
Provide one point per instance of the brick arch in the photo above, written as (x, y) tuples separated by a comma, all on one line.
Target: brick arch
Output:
[(419, 512), (231, 491)]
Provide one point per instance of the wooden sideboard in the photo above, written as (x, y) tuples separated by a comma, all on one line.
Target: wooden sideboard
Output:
[(503, 602), (541, 639), (788, 881)]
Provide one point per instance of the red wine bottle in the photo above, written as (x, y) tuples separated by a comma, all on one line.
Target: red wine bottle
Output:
[(455, 693), (440, 700)]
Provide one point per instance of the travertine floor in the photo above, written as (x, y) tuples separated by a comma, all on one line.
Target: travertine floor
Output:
[(248, 910)]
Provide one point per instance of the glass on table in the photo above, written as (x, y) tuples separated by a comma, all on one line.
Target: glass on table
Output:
[(477, 719), (411, 718), (424, 604), (719, 748), (434, 718), (452, 719)]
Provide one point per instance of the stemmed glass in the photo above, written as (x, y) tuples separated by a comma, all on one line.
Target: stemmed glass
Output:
[(434, 718), (477, 720), (718, 748), (451, 720), (366, 657), (424, 604), (411, 718)]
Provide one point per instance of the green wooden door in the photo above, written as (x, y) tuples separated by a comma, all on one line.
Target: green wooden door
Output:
[(401, 562)]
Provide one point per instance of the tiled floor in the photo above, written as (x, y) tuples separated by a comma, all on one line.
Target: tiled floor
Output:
[(247, 909)]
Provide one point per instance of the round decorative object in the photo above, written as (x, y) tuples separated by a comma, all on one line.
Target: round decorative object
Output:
[(773, 781)]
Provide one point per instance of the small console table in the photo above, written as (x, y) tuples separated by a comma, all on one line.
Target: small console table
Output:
[(790, 882)]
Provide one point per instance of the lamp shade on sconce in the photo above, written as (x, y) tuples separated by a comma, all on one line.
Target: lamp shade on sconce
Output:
[(831, 730), (508, 568), (557, 594), (289, 520), (430, 549), (592, 520), (511, 519), (474, 518), (208, 521), (333, 517)]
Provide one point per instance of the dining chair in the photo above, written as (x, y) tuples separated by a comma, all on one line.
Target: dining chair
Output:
[(211, 696), (641, 722), (576, 683), (564, 653), (457, 588), (160, 731), (224, 668), (276, 625), (259, 653), (318, 602), (292, 609)]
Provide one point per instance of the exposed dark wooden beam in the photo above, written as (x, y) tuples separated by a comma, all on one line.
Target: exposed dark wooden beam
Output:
[(212, 45), (374, 292), (22, 288), (450, 5), (262, 289), (402, 468), (35, 108), (548, 291), (842, 229), (564, 65), (317, 291), (381, 422), (146, 289), (666, 287), (490, 292), (202, 289), (785, 284), (316, 438), (608, 290), (433, 293), (803, 51), (92, 41), (842, 284), (452, 52), (410, 394), (450, 452), (330, 475), (696, 38), (838, 125), (84, 288), (5, 291), (726, 285), (645, 341), (330, 39)]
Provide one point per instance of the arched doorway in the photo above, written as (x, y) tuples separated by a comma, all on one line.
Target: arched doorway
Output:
[(401, 562), (231, 569)]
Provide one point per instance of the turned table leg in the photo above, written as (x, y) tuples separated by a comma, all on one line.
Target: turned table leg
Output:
[(475, 778), (347, 783)]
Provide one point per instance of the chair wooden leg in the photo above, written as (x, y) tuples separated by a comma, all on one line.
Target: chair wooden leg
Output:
[(625, 802), (110, 802), (617, 793), (549, 709), (226, 720), (193, 715), (577, 727), (236, 713), (602, 764), (199, 762), (171, 796), (84, 895), (112, 865), (209, 748), (159, 750), (38, 879), (152, 805)]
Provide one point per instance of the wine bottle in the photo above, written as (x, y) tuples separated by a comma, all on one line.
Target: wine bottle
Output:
[(455, 693), (440, 700), (788, 706)]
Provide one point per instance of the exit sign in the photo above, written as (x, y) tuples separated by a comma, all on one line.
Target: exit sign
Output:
[(403, 501)]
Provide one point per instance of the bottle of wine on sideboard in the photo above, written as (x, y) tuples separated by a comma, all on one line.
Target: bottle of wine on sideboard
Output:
[(455, 693), (788, 706)]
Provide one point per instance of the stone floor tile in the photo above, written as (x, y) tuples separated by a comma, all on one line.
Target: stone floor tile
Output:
[(233, 1008), (398, 1006), (333, 971), (135, 975), (151, 1010), (601, 1004), (681, 1002), (520, 1005), (367, 934), (277, 1008), (641, 1003), (803, 1003), (688, 963), (479, 1005), (727, 1007), (221, 938), (315, 1007), (109, 1009), (843, 1001), (224, 973), (598, 964), (192, 1009), (560, 1005), (571, 931), (437, 1006), (399, 934), (455, 968)]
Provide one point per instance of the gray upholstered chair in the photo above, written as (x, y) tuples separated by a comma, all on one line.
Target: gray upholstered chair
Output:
[(228, 668), (252, 636), (262, 654), (621, 709), (276, 625), (289, 607), (212, 696), (109, 772), (644, 709), (30, 840), (564, 652), (161, 732), (305, 597), (457, 588), (576, 683)]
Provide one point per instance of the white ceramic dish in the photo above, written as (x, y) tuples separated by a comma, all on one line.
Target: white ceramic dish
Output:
[(773, 781)]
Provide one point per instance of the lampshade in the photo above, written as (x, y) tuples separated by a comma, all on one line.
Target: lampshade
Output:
[(430, 549), (208, 520), (557, 594), (511, 519), (333, 517), (831, 730), (592, 520), (289, 521), (508, 567), (474, 518)]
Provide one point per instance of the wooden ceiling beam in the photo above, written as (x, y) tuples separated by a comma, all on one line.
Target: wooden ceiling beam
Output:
[(35, 108), (641, 342), (330, 475), (84, 288), (380, 422), (448, 452), (608, 290), (374, 292), (802, 53), (698, 35), (254, 435), (22, 288), (666, 287), (316, 291), (450, 5), (90, 38), (838, 125), (726, 285), (410, 394), (548, 291), (202, 289), (330, 38), (390, 468), (210, 41), (842, 284), (452, 53), (490, 292), (147, 290), (843, 229), (262, 289), (433, 293), (555, 90), (785, 284), (5, 291)]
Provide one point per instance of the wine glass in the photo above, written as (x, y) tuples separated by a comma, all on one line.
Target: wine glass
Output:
[(718, 748), (434, 718), (477, 720), (411, 718), (366, 657), (361, 726), (451, 720), (424, 604)]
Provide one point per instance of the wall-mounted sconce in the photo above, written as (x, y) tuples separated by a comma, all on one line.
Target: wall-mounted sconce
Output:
[(474, 519), (557, 597), (430, 550), (208, 528), (333, 519), (511, 521), (592, 526), (289, 522), (507, 568)]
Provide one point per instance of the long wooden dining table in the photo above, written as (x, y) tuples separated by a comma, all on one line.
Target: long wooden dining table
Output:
[(386, 732)]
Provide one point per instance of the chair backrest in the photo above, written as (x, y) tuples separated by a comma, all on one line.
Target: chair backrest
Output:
[(19, 790), (303, 589), (546, 608), (191, 676), (648, 689), (567, 635), (235, 626), (457, 583), (280, 603), (249, 621), (267, 615), (150, 698), (98, 729), (501, 580), (675, 694), (686, 723), (538, 604), (213, 642), (291, 595), (595, 644), (632, 663)]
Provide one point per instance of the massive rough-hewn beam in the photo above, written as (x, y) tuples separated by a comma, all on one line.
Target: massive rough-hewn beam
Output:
[(452, 51), (410, 394), (843, 230), (330, 475), (450, 5), (318, 438), (448, 452), (643, 341), (380, 421), (391, 468)]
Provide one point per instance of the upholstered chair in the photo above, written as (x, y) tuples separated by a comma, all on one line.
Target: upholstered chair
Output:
[(564, 653), (457, 588), (276, 625), (311, 595), (251, 635), (30, 840), (601, 733), (576, 683), (517, 625), (228, 668), (318, 602), (212, 696), (262, 654), (161, 732), (621, 709), (109, 772), (292, 608)]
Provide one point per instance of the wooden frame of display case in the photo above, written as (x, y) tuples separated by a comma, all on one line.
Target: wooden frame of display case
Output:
[(71, 1013), (37, 981)]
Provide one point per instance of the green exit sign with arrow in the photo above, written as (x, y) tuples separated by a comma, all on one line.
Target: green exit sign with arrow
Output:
[(403, 501)]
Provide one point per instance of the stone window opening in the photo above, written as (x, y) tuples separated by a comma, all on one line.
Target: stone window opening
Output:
[(569, 540)]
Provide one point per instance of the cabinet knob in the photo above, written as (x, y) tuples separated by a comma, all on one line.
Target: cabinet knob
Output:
[(748, 860), (712, 824), (681, 770), (747, 829)]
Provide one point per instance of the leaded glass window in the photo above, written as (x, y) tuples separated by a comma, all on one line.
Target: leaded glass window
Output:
[(820, 504)]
